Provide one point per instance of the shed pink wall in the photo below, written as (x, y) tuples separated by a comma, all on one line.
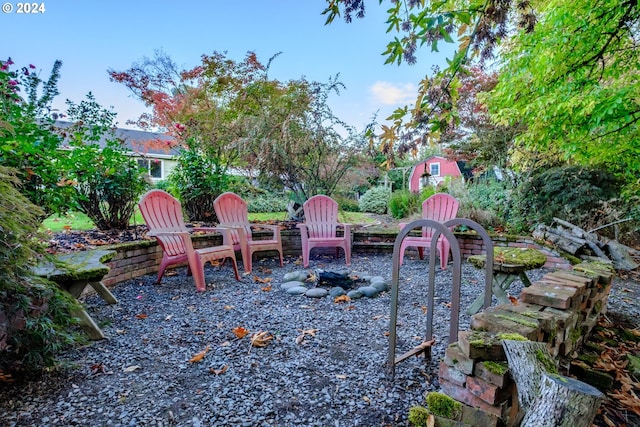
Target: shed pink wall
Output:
[(447, 168)]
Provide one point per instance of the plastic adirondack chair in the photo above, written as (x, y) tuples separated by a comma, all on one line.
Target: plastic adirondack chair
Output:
[(231, 211), (163, 215), (440, 207), (320, 226)]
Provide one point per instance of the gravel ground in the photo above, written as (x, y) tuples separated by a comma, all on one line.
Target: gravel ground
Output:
[(142, 374)]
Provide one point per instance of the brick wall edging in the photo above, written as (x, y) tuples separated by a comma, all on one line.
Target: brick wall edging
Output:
[(143, 257)]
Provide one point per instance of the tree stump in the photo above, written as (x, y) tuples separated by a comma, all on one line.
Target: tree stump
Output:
[(548, 399)]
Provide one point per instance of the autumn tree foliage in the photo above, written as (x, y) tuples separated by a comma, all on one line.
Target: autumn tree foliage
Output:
[(567, 70), (232, 113)]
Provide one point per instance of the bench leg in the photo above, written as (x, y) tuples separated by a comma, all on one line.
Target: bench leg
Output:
[(89, 325), (104, 292)]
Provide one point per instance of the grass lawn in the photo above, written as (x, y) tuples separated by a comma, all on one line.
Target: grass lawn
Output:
[(79, 221)]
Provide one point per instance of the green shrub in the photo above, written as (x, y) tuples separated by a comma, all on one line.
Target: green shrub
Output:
[(107, 182), (267, 203), (35, 323), (347, 204), (198, 180), (485, 201), (404, 203), (375, 200), (27, 141), (572, 193)]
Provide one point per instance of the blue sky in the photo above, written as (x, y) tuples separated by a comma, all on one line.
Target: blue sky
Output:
[(93, 36)]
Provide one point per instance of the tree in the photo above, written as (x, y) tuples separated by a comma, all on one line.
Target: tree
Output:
[(567, 75), (479, 26), (580, 100), (232, 113), (300, 141)]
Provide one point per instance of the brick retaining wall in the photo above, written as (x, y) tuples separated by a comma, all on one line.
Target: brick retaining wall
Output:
[(141, 258)]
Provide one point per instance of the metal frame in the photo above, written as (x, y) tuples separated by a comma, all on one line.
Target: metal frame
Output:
[(440, 228)]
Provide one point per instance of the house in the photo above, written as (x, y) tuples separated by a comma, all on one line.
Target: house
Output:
[(155, 152), (436, 169)]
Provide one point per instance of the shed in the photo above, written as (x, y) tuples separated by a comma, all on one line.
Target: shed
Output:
[(438, 168)]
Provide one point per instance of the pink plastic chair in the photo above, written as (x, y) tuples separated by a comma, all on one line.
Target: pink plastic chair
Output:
[(440, 207), (163, 215), (231, 211), (320, 226)]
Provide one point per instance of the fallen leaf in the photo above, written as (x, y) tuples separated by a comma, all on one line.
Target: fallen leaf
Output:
[(199, 356), (132, 368), (261, 339), (514, 300), (266, 288), (141, 316), (305, 332), (219, 371), (341, 298), (424, 309), (341, 376), (265, 280), (97, 368), (240, 332), (350, 307), (366, 399), (229, 307)]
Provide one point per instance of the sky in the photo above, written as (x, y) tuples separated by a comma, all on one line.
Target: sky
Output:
[(91, 37)]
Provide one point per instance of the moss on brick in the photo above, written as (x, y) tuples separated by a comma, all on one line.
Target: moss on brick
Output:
[(444, 406), (418, 416), (496, 368)]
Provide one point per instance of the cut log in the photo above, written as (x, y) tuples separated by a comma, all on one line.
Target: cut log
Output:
[(563, 402), (620, 256), (548, 399), (526, 368)]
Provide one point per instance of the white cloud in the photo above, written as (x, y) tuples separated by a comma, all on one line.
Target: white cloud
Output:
[(387, 93)]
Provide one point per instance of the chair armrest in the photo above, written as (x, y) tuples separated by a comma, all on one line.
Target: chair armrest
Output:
[(275, 229)]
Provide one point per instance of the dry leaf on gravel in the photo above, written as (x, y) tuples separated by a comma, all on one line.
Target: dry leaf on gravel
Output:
[(261, 339), (305, 332), (240, 332), (219, 371), (199, 356)]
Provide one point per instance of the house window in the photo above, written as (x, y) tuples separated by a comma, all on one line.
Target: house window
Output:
[(152, 166), (434, 169)]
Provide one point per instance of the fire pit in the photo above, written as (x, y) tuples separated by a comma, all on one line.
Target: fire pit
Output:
[(320, 283)]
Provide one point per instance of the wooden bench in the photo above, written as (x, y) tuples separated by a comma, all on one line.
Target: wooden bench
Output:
[(73, 272)]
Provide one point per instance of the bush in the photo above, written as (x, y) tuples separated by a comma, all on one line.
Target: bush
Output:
[(267, 203), (28, 144), (375, 200), (35, 323), (404, 203), (198, 180), (572, 193), (106, 181), (485, 201), (347, 204)]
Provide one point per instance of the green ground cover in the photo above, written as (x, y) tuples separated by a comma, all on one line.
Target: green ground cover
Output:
[(78, 221)]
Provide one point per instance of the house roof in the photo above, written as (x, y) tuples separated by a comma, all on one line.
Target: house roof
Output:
[(138, 142)]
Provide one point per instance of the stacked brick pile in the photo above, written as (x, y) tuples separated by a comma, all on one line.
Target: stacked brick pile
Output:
[(561, 309)]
